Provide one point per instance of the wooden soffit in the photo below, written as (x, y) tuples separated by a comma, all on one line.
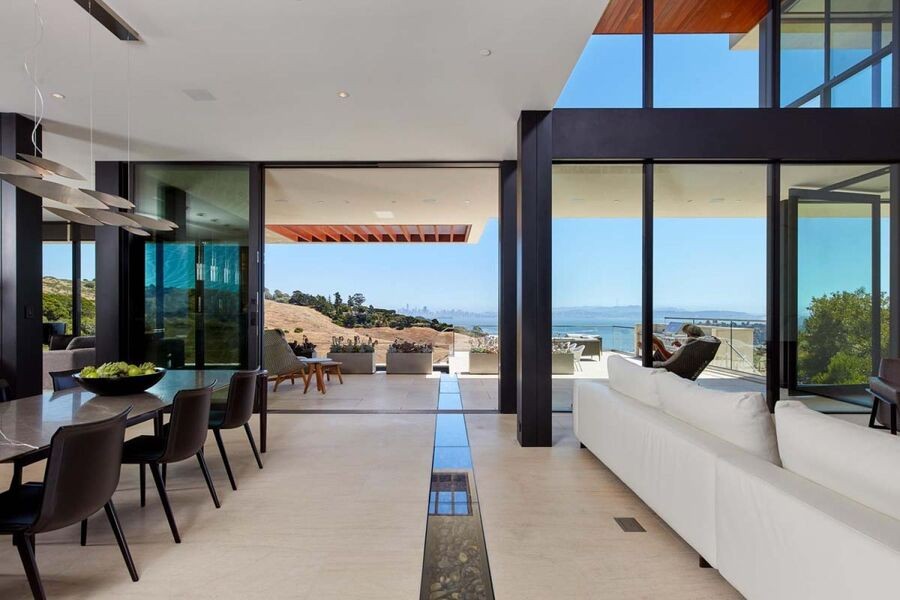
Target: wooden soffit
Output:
[(684, 16), (389, 233)]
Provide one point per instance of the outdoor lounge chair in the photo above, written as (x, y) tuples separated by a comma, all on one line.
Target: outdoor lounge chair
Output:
[(885, 390), (691, 359), (280, 361)]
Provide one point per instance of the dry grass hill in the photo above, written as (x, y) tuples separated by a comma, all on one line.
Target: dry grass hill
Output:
[(319, 329)]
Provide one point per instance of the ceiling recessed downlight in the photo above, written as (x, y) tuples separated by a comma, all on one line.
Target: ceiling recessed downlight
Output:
[(58, 96), (343, 95), (485, 52), (384, 214)]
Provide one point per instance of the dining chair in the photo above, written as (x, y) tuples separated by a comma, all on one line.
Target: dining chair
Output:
[(236, 413), (63, 380), (81, 475), (181, 438)]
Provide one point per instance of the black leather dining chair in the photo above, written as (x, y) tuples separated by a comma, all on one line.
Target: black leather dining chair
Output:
[(236, 413), (63, 380), (182, 438), (81, 475)]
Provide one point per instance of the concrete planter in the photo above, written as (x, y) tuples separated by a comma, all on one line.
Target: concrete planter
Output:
[(483, 363), (563, 364), (412, 363), (354, 362)]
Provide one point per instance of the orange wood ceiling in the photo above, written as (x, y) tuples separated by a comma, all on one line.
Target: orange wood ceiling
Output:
[(373, 233), (684, 16)]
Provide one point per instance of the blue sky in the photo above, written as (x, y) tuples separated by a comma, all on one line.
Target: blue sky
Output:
[(596, 262)]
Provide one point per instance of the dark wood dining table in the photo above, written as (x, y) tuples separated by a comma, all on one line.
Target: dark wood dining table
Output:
[(27, 424)]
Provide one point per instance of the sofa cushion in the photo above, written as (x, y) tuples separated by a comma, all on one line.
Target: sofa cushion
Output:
[(741, 418), (83, 341), (59, 342), (855, 461), (633, 380)]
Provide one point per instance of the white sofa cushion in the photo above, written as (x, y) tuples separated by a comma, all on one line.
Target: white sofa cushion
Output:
[(741, 418), (855, 461), (633, 380)]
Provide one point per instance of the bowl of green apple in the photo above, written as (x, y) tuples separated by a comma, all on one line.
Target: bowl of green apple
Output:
[(119, 378)]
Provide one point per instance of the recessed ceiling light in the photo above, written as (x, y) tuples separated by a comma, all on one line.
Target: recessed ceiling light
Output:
[(726, 15), (716, 200), (343, 95), (201, 214), (485, 52), (384, 214), (468, 202), (58, 96), (430, 200)]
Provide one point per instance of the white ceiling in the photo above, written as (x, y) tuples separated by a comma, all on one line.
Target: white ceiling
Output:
[(363, 196), (419, 87)]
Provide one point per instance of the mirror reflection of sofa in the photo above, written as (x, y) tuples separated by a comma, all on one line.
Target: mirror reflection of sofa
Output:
[(65, 353)]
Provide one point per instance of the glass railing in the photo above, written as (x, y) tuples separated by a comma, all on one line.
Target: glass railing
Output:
[(743, 346), (619, 338)]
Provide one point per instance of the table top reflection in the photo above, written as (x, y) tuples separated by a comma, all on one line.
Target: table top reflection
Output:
[(27, 424)]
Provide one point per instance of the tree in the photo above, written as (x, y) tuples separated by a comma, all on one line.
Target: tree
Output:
[(356, 300), (834, 345), (337, 300)]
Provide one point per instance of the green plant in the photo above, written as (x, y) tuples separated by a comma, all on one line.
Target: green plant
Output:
[(356, 345), (299, 330), (485, 345), (405, 347), (561, 348)]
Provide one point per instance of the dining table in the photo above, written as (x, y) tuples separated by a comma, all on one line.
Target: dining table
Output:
[(28, 424)]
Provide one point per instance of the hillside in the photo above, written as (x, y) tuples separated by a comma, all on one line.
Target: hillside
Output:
[(319, 329)]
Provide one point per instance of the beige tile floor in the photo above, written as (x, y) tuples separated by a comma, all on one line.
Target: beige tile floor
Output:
[(361, 392), (339, 512), (548, 520)]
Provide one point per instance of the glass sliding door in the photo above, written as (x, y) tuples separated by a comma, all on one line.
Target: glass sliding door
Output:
[(837, 299), (196, 277)]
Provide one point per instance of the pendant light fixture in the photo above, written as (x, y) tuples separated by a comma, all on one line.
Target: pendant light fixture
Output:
[(11, 166)]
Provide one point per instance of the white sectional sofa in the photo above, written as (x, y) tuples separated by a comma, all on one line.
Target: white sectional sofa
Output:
[(714, 474)]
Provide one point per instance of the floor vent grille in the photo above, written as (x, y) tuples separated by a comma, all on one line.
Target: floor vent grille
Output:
[(630, 525)]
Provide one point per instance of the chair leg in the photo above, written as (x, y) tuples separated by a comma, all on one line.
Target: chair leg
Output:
[(253, 444), (164, 498), (84, 532), (337, 371), (209, 481), (164, 470), (277, 381), (120, 539), (874, 412), (25, 544), (143, 473), (893, 419), (218, 435)]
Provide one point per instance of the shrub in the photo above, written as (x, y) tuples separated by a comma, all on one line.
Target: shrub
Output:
[(356, 345), (404, 347)]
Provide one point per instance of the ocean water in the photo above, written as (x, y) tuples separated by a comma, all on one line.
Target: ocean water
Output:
[(615, 336)]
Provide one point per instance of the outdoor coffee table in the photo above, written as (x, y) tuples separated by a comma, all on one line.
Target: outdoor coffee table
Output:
[(320, 367)]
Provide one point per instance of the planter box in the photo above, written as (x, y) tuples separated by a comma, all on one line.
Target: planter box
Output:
[(413, 363), (354, 362), (483, 363), (563, 364)]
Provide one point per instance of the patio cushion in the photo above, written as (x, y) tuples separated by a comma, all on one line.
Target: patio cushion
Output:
[(633, 380), (857, 462), (741, 418), (80, 342)]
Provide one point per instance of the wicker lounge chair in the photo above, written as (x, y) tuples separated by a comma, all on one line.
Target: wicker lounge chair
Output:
[(691, 359), (280, 361)]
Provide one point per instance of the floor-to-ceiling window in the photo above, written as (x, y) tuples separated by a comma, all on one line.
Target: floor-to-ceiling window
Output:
[(88, 287), (57, 292), (196, 276), (836, 53), (709, 268), (596, 270), (836, 302)]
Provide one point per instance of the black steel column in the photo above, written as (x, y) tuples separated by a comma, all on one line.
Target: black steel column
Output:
[(533, 270), (773, 284), (255, 257), (894, 263), (112, 298), (20, 269), (770, 57), (507, 287), (75, 237), (647, 11), (876, 285), (647, 260)]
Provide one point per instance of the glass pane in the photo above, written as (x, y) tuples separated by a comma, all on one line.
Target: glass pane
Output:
[(709, 242), (707, 55), (596, 298), (845, 32), (196, 276), (830, 246), (88, 288), (609, 72), (57, 285)]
